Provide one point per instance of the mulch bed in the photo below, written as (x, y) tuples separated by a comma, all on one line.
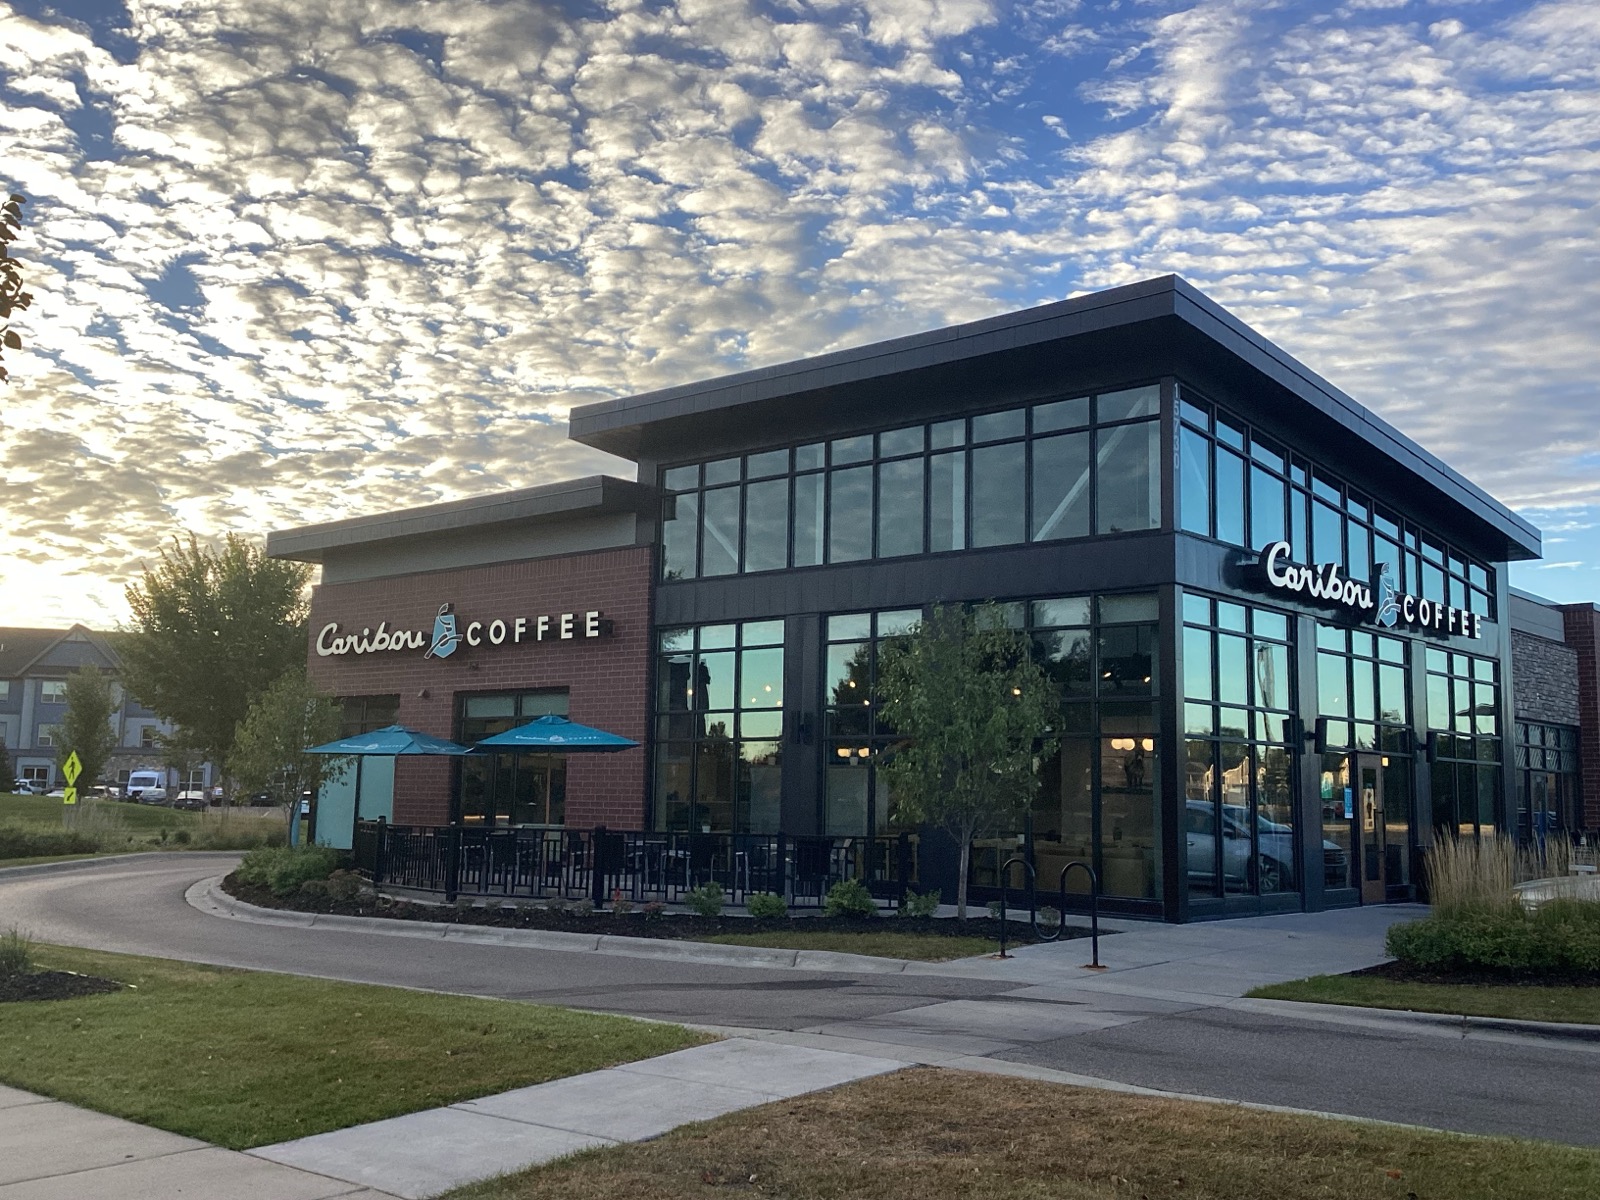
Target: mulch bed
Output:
[(671, 926), (1482, 976), (53, 985)]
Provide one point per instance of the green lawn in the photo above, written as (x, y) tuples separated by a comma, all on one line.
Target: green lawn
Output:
[(244, 1058), (883, 944), (116, 826), (1576, 1004), (952, 1135)]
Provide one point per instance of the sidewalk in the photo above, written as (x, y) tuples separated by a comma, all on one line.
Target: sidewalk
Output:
[(55, 1151), (426, 1153)]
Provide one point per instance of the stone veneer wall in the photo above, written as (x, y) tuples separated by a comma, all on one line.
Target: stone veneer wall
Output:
[(1544, 679), (1582, 622), (607, 678)]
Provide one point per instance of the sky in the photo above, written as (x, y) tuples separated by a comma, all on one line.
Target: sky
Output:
[(298, 260)]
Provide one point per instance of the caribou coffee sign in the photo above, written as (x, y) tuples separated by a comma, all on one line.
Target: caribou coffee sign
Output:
[(450, 633), (1389, 608)]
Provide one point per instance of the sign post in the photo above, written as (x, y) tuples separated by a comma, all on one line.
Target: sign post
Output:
[(72, 768)]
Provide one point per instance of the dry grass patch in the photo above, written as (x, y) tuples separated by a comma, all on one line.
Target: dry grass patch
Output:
[(948, 1135)]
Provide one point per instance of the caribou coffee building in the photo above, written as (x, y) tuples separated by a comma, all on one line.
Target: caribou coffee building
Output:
[(1281, 630)]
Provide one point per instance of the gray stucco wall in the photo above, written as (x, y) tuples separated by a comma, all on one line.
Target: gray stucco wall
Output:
[(1544, 679)]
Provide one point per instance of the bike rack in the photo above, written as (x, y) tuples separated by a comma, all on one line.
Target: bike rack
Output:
[(1033, 906)]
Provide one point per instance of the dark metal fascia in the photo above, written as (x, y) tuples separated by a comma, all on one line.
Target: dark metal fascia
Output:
[(588, 495), (1222, 327), (613, 425)]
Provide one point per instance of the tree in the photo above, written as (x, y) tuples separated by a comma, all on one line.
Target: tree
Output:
[(269, 747), (6, 777), (977, 713), (12, 297), (86, 729), (213, 629)]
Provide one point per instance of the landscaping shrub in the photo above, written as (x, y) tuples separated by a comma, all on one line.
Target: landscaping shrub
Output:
[(653, 910), (767, 905), (1563, 935), (707, 899), (42, 843), (345, 885), (920, 906), (285, 868), (16, 953), (849, 898)]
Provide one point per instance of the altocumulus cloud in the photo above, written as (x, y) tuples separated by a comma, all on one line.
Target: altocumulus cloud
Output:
[(299, 259)]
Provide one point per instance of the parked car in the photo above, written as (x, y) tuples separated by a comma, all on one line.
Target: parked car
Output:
[(56, 794), (105, 791), (1274, 848), (28, 787), (193, 800), (147, 787)]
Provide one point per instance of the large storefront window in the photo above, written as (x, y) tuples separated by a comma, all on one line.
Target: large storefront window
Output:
[(1098, 799), (1238, 761), (1464, 729), (1067, 468), (511, 789), (719, 727), (1245, 489), (856, 798)]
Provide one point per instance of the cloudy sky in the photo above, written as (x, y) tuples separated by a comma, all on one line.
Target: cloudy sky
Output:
[(303, 259)]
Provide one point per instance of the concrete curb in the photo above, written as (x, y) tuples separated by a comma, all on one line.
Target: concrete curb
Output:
[(1450, 1024), (80, 864), (207, 896)]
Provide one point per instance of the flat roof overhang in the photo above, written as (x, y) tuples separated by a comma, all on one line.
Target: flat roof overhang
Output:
[(592, 495), (1166, 313)]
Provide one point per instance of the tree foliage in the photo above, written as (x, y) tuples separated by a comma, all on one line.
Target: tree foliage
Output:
[(86, 728), (213, 629), (12, 296), (978, 714), (269, 747)]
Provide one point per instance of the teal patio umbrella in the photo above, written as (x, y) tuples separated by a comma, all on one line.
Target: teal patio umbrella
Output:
[(556, 735), (392, 741)]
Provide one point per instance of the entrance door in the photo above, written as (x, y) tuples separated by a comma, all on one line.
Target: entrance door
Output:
[(1370, 829)]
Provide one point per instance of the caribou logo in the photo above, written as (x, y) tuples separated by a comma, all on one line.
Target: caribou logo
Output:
[(445, 635)]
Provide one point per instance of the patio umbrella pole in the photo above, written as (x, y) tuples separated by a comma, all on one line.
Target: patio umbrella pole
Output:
[(355, 805)]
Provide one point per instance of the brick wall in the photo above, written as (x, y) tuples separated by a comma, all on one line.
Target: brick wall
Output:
[(1544, 678), (606, 676), (1582, 622)]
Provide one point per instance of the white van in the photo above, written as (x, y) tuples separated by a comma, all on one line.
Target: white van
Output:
[(147, 787)]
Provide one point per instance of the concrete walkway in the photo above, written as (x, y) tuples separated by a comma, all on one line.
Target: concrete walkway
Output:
[(55, 1151), (426, 1153)]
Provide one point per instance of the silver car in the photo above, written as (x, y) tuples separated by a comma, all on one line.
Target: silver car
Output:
[(1274, 848)]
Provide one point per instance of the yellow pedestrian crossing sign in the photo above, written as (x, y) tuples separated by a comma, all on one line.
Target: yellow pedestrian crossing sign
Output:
[(69, 795), (73, 767)]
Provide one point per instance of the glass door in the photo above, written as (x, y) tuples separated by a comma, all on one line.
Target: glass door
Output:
[(1370, 825)]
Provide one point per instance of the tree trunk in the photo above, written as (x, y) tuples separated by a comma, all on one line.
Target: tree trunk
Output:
[(961, 879)]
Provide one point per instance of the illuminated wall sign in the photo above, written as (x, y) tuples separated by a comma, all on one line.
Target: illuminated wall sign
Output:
[(1323, 584), (449, 633)]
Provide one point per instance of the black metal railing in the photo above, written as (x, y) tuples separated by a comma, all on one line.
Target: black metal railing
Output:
[(603, 864)]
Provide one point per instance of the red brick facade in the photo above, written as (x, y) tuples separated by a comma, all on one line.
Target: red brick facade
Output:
[(606, 676), (1582, 628)]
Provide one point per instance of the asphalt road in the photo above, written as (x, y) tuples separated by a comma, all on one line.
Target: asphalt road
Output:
[(1521, 1085)]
